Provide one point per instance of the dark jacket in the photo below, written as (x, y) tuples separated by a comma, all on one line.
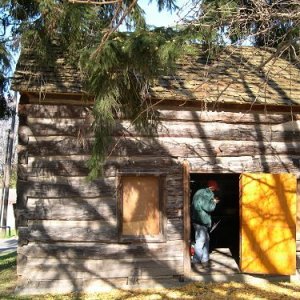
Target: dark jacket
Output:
[(202, 205)]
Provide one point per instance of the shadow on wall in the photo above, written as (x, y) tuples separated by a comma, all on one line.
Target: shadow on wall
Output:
[(72, 237)]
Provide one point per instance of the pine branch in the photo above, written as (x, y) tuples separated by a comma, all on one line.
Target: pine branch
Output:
[(101, 2), (114, 28)]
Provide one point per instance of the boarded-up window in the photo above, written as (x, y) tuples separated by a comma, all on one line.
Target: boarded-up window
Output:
[(141, 207)]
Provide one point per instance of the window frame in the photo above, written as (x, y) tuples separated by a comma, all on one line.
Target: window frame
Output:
[(161, 237)]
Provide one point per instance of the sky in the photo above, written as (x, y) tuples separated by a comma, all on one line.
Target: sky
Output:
[(164, 18)]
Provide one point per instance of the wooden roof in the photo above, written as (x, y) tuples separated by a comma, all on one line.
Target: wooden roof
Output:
[(240, 75)]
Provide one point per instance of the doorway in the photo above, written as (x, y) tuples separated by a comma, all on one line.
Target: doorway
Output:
[(224, 237)]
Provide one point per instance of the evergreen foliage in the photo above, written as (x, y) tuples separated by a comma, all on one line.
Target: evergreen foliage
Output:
[(118, 68), (120, 77), (269, 23)]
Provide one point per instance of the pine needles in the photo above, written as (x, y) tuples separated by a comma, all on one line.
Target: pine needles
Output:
[(119, 77)]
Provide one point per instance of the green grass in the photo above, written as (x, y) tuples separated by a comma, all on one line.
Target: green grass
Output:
[(8, 274), (13, 232)]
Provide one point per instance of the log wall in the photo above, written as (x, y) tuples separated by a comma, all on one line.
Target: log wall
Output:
[(68, 227)]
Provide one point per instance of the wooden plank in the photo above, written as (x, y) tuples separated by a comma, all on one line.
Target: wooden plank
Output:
[(218, 131), (58, 145), (54, 111), (91, 250), (53, 127), (212, 130), (76, 231), (73, 189), (189, 147), (76, 112), (186, 217), (140, 205), (182, 114), (240, 164), (175, 229), (178, 147), (298, 212), (77, 165), (64, 269), (98, 208)]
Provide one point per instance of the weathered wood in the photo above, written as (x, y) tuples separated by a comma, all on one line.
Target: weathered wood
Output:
[(69, 209), (178, 147), (24, 133), (77, 166), (56, 168), (53, 127), (175, 229), (188, 147), (182, 115), (76, 231), (219, 131), (90, 250), (259, 163), (33, 111), (57, 146), (66, 269), (186, 218), (297, 260), (54, 111), (212, 130), (72, 189)]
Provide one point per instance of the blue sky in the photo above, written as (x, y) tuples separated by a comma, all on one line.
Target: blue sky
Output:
[(164, 18)]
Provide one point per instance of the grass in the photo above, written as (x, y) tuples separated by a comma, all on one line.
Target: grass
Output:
[(200, 290), (8, 274), (7, 234)]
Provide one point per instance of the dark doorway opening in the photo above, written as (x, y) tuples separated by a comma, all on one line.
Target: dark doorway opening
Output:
[(225, 236)]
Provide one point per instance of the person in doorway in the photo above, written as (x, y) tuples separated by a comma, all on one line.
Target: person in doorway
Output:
[(203, 204)]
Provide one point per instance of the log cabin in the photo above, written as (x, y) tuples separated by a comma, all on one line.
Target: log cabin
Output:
[(235, 119)]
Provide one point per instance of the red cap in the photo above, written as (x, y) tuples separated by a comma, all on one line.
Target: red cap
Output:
[(213, 184)]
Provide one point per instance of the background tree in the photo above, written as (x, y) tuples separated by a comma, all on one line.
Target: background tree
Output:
[(271, 23)]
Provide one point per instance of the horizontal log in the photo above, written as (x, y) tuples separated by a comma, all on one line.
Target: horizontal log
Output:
[(77, 166), (67, 111), (86, 269), (240, 164), (88, 250), (56, 146), (175, 147), (76, 231), (289, 131), (53, 127), (73, 188), (99, 208), (181, 114), (85, 231), (188, 147), (54, 111), (212, 130), (24, 133)]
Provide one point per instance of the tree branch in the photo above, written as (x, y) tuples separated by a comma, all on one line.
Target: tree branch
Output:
[(101, 2)]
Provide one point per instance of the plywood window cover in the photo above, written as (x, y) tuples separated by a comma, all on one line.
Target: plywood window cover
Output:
[(160, 237)]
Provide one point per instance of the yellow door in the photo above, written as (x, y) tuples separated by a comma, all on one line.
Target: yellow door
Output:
[(268, 223)]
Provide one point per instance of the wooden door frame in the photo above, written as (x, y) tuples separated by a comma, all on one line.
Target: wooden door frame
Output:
[(186, 218)]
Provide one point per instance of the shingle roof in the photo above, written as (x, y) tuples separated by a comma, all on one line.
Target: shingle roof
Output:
[(239, 75)]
